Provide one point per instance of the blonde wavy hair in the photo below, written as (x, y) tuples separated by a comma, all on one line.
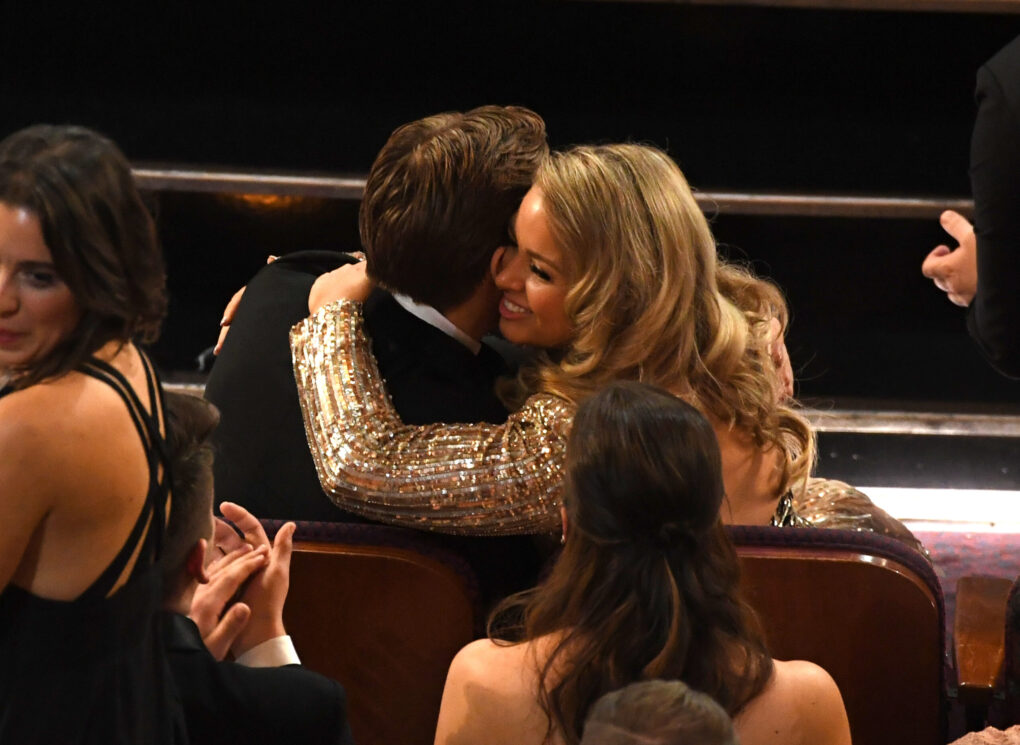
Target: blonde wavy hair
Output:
[(650, 300)]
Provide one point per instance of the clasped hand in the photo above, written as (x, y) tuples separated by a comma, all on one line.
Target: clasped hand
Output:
[(954, 270), (350, 282), (255, 560)]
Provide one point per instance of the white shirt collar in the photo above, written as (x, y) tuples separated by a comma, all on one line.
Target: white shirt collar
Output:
[(434, 318)]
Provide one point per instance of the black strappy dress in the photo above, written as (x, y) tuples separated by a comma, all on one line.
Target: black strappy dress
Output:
[(93, 670)]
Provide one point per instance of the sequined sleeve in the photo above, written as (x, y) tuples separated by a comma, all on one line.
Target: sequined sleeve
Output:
[(475, 479), (827, 503)]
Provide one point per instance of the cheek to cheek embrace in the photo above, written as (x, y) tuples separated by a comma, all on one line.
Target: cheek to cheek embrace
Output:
[(531, 277)]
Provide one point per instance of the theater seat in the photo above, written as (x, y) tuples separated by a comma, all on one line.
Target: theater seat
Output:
[(383, 611), (1012, 655), (867, 609)]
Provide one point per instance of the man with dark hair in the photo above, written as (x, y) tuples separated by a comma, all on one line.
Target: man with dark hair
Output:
[(437, 203), (657, 712), (263, 697)]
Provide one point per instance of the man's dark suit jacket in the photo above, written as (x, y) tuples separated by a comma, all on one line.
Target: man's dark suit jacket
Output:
[(994, 318), (229, 703), (262, 458)]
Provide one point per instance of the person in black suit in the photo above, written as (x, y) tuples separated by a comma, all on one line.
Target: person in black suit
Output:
[(263, 697), (984, 271), (437, 203)]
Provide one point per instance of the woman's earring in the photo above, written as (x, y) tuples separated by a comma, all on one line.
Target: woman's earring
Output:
[(563, 538)]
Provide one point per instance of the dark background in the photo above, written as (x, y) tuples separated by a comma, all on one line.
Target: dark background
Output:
[(758, 99)]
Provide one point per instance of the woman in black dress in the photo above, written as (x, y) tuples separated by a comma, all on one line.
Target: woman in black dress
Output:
[(84, 492)]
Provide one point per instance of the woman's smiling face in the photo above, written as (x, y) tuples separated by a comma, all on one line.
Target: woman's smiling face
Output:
[(37, 310), (532, 277)]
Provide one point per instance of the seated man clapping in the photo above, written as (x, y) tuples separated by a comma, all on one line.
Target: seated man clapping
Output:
[(263, 697)]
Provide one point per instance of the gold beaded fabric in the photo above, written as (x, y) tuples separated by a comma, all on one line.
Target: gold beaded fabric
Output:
[(827, 503), (471, 479)]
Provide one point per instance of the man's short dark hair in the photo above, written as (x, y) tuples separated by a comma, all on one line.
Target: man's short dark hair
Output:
[(190, 422), (439, 198), (657, 712)]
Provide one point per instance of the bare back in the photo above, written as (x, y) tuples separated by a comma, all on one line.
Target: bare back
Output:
[(73, 479), (491, 696)]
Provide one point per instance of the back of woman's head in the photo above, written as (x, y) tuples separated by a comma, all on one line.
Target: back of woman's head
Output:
[(101, 236), (650, 301), (643, 467), (647, 584)]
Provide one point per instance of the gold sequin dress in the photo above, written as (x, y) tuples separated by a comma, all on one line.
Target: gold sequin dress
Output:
[(472, 479), (827, 503)]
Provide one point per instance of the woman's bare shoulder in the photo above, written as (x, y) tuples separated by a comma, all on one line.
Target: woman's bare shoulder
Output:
[(491, 696), (26, 416), (806, 680), (493, 664), (43, 408), (800, 704), (58, 424)]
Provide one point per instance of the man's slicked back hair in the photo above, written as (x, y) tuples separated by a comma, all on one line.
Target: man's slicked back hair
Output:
[(440, 196)]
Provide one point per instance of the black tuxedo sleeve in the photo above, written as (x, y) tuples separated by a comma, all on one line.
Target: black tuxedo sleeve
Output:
[(262, 458), (229, 703), (994, 318)]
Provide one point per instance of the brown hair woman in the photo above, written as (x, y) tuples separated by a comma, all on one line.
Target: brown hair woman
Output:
[(83, 490), (646, 588)]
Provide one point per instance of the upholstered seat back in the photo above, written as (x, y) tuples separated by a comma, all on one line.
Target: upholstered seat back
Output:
[(864, 607), (383, 611), (1012, 661)]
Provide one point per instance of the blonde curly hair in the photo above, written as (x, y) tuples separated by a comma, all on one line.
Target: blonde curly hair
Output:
[(651, 301)]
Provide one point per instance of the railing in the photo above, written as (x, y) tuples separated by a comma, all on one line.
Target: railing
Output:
[(856, 421), (874, 422), (939, 6), (171, 178), (736, 203)]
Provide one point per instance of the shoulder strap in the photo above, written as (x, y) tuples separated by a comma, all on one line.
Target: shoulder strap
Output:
[(158, 439), (148, 427)]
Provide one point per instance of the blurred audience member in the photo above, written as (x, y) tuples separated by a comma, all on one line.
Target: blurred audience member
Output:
[(983, 272), (657, 712), (991, 736)]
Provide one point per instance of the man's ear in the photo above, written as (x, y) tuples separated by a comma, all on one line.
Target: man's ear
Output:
[(195, 563)]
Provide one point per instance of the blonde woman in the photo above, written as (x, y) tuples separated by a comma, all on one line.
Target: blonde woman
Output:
[(613, 273)]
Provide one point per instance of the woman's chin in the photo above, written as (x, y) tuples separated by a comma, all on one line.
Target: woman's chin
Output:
[(513, 333)]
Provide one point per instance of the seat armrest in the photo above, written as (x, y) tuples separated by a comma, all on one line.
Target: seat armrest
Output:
[(979, 634)]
